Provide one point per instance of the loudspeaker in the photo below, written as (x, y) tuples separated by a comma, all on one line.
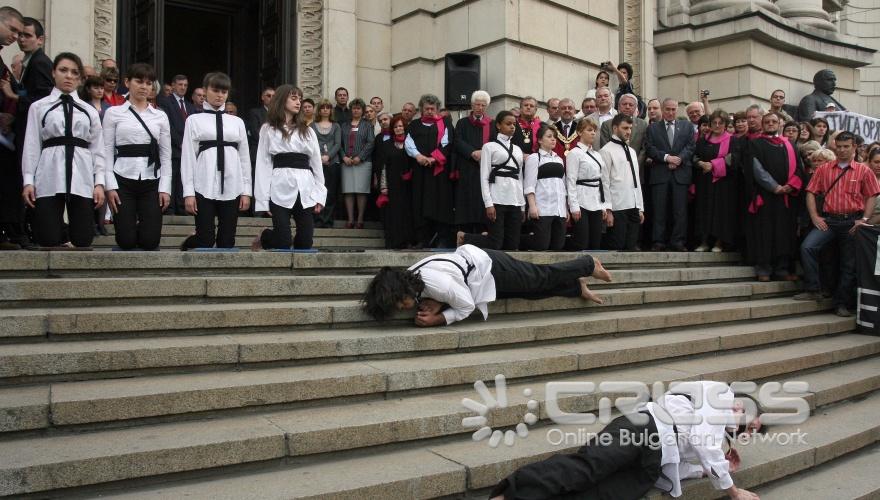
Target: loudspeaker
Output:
[(462, 78)]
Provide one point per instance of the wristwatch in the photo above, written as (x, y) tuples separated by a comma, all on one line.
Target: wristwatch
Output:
[(864, 219)]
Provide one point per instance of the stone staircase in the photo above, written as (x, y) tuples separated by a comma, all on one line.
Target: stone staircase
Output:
[(255, 375)]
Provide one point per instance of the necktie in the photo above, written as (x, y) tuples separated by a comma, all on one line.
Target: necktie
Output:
[(221, 149), (67, 107), (566, 129), (182, 109), (670, 132), (629, 159)]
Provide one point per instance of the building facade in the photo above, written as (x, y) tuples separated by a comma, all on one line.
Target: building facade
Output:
[(740, 50)]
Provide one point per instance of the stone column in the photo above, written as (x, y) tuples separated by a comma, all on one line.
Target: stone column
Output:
[(701, 6), (807, 12)]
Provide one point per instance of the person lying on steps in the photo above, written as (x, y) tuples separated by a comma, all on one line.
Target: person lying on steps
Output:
[(446, 288)]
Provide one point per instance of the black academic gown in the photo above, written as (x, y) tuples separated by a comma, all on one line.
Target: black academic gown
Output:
[(774, 223), (742, 157), (715, 203), (432, 194), (469, 206), (397, 215)]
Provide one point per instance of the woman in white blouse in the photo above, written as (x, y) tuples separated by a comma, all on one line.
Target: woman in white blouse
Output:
[(502, 188), (138, 186), (63, 160), (289, 176), (587, 200), (544, 187), (215, 168)]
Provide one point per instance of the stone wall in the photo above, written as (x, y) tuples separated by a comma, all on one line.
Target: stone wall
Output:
[(861, 19)]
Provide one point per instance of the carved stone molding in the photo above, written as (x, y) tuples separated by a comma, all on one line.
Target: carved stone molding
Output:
[(632, 39), (104, 30), (311, 47)]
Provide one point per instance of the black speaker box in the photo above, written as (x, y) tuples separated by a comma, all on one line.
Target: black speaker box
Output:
[(462, 79)]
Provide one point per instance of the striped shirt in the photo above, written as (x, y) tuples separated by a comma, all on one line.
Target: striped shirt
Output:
[(848, 195)]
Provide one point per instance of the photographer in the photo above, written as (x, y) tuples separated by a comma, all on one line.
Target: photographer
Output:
[(624, 72)]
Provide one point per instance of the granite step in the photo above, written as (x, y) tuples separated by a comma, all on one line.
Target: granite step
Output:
[(244, 242), (451, 466), (190, 221), (859, 469), (253, 230), (18, 292), (95, 401), (88, 358), (241, 316), (135, 263)]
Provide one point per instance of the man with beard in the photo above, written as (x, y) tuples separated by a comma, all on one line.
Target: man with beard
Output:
[(526, 134), (566, 135)]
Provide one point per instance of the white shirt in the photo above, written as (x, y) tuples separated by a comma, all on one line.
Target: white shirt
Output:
[(121, 128), (444, 282), (45, 168), (410, 145), (505, 190), (550, 192), (198, 172), (603, 117), (284, 185), (617, 178), (698, 446), (583, 162)]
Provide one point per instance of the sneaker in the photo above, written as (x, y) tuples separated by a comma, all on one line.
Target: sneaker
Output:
[(702, 248), (843, 312), (717, 249), (808, 296)]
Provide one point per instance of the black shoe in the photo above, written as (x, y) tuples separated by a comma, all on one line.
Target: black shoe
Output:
[(679, 248), (815, 296), (843, 312), (658, 247)]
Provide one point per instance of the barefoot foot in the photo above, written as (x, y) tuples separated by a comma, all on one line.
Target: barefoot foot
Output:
[(459, 238), (588, 294), (257, 243), (599, 271)]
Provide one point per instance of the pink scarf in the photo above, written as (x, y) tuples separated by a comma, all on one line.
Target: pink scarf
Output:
[(719, 166), (534, 125), (438, 155), (793, 180)]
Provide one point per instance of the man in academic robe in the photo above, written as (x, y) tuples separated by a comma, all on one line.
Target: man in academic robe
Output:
[(527, 125), (670, 145), (429, 145), (775, 177), (566, 135), (471, 133)]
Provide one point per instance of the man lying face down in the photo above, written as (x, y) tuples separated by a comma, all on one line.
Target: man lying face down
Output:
[(446, 288), (677, 437)]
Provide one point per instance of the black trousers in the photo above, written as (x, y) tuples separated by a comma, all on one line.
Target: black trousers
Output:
[(139, 220), (177, 207), (660, 194), (586, 234), (547, 233), (515, 279), (332, 175), (280, 236), (503, 233), (49, 220), (625, 469), (226, 213), (624, 235)]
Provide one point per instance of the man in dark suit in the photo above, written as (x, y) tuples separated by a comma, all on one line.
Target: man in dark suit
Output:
[(178, 108), (253, 122), (670, 145)]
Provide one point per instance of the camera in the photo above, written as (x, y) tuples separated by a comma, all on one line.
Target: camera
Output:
[(605, 65), (705, 93)]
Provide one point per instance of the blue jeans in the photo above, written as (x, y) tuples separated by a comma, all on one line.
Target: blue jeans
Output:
[(838, 228)]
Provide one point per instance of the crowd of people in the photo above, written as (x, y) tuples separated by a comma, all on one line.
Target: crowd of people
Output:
[(619, 173)]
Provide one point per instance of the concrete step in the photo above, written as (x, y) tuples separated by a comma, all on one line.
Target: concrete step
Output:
[(19, 292), (241, 350), (244, 242), (253, 230), (852, 476), (188, 220), (436, 468), (73, 403), (103, 263), (241, 316)]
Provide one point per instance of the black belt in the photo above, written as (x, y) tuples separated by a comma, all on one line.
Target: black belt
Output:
[(203, 145), (854, 215), (551, 171), (504, 170), (221, 152), (149, 151), (291, 160), (65, 141), (595, 182)]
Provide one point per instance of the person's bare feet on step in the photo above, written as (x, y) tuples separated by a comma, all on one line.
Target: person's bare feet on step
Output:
[(588, 294), (599, 271), (459, 238), (257, 242)]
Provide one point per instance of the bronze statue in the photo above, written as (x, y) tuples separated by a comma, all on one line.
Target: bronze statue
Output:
[(824, 84)]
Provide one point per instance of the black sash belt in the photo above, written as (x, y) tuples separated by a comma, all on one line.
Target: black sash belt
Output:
[(291, 160), (204, 145), (65, 141), (221, 155), (503, 170), (149, 151), (551, 171), (594, 182)]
